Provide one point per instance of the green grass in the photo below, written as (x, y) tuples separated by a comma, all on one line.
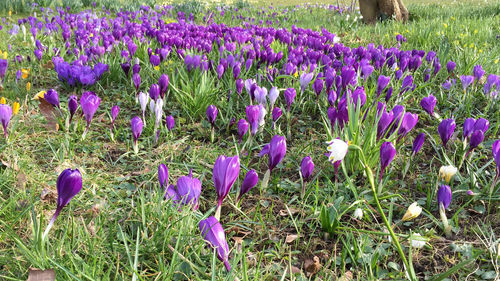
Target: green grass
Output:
[(118, 226)]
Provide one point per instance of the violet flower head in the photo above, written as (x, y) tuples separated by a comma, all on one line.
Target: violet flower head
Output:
[(163, 175), (250, 181), (446, 129), (407, 124), (428, 104), (495, 149), (154, 92), (170, 122), (482, 125), (305, 79), (72, 106), (52, 97), (69, 183), (387, 154), (318, 86), (189, 190), (382, 83), (126, 68), (476, 139), (89, 102), (211, 114), (276, 150), (114, 113), (5, 115), (136, 125), (289, 97), (273, 96), (478, 72), (466, 80), (253, 112), (213, 233), (450, 66), (136, 78), (307, 168), (276, 114), (225, 173), (3, 69), (163, 83), (444, 196), (417, 143), (242, 129), (468, 127)]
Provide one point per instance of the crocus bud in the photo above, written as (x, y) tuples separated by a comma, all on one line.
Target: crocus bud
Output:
[(239, 86), (428, 104), (307, 168), (126, 68), (253, 112), (72, 106), (475, 140), (273, 96), (69, 183), (163, 175), (154, 91), (89, 103), (468, 127), (318, 86), (250, 181), (52, 97), (382, 83), (289, 97), (136, 125), (242, 128), (276, 150), (114, 113), (444, 196), (163, 83), (212, 232), (337, 150), (305, 79), (212, 114), (143, 100), (409, 121), (447, 172), (225, 173), (413, 211), (495, 149), (450, 66), (189, 189), (417, 143), (446, 129), (136, 78), (417, 241), (170, 122), (482, 125), (358, 213), (387, 154), (5, 115)]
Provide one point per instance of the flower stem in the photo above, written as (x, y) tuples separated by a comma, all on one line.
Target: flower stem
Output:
[(444, 219), (51, 223)]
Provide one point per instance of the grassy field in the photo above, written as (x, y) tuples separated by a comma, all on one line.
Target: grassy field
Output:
[(120, 228)]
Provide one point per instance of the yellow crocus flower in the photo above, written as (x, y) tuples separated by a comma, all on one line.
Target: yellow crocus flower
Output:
[(157, 68), (28, 86), (25, 73), (40, 95), (4, 55), (2, 100), (15, 108)]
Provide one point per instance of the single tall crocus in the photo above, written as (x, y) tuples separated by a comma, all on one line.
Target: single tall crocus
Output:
[(306, 170), (417, 143), (409, 121), (276, 114), (163, 82), (5, 115), (52, 97), (69, 183), (242, 129), (211, 116), (189, 190), (428, 104), (276, 151), (136, 125), (253, 112), (170, 122), (250, 181), (305, 79), (114, 113), (3, 69), (466, 80), (225, 173), (72, 107), (89, 103), (163, 175), (143, 100), (273, 96), (213, 233), (446, 129), (387, 154), (444, 199)]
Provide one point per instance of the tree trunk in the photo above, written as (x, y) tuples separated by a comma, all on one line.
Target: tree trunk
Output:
[(372, 10)]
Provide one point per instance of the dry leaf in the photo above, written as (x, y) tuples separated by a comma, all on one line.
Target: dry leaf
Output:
[(312, 266), (41, 275), (295, 270), (91, 228), (49, 113), (49, 65), (290, 238), (47, 194), (21, 180), (100, 117), (346, 277), (238, 243), (284, 212)]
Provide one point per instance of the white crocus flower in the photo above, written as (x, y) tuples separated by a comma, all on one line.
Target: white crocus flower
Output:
[(417, 241), (413, 211), (143, 100), (358, 213), (447, 172), (337, 149)]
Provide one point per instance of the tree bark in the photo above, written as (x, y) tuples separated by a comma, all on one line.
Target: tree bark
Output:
[(373, 10)]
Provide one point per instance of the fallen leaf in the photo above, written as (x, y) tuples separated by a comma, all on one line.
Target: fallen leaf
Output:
[(295, 270), (284, 212), (49, 113), (21, 180), (346, 277), (91, 227), (41, 275), (238, 243), (47, 194), (290, 238), (312, 266), (100, 117)]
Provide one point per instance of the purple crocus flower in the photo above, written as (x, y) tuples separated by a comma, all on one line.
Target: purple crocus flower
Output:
[(72, 106), (289, 97), (478, 72), (417, 143), (318, 86), (385, 120), (5, 115), (163, 83), (276, 114), (114, 113), (136, 125), (407, 84), (212, 114), (89, 102), (450, 66), (136, 78), (189, 190), (409, 121), (273, 96), (466, 80), (213, 233), (170, 122), (496, 156), (69, 183), (332, 98), (276, 150), (446, 129), (163, 175), (482, 125), (305, 79), (3, 69), (382, 83), (225, 173), (468, 127), (154, 92), (387, 154), (52, 97), (239, 86), (242, 129), (428, 104), (444, 196), (126, 68), (476, 139), (307, 168), (220, 71), (253, 112), (250, 181)]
